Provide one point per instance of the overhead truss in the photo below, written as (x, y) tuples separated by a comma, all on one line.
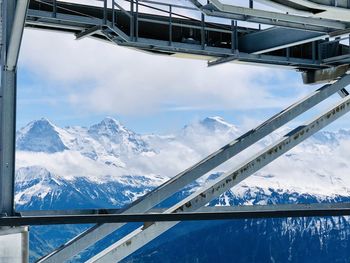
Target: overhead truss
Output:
[(221, 33)]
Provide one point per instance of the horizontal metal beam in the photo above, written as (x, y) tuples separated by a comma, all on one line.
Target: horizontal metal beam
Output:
[(324, 75), (271, 39), (207, 213), (265, 59), (69, 212), (210, 52), (153, 198), (143, 235)]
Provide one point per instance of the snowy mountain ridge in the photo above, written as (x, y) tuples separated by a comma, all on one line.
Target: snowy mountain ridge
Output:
[(109, 152), (108, 166)]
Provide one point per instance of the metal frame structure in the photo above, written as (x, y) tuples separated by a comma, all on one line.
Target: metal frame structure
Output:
[(315, 41)]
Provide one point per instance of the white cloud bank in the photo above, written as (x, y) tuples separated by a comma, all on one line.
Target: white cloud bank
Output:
[(99, 77)]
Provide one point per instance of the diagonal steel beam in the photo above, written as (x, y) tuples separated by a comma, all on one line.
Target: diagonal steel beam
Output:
[(16, 34), (217, 9), (88, 32), (250, 12), (96, 233), (150, 231)]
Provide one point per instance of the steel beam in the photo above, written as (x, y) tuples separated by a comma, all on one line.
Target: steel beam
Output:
[(249, 12), (12, 30), (329, 9), (11, 230), (324, 75), (204, 213), (223, 53), (91, 236), (68, 22), (270, 39), (88, 32), (16, 34), (147, 233), (259, 16), (14, 249)]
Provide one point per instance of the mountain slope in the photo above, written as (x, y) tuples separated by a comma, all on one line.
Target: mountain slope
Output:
[(109, 166)]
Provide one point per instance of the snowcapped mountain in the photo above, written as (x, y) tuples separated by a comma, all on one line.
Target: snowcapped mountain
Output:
[(117, 139), (107, 142), (107, 152), (108, 166), (40, 136)]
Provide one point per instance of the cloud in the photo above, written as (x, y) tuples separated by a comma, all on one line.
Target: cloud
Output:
[(104, 78)]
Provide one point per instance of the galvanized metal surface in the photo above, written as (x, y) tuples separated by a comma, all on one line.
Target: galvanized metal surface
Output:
[(8, 111), (324, 75), (13, 15), (249, 12), (16, 34), (204, 213), (298, 32), (14, 245)]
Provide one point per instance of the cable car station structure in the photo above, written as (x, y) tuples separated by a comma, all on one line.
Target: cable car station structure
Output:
[(310, 36)]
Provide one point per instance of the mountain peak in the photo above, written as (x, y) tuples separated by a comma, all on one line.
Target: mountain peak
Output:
[(108, 127), (116, 138), (40, 122), (40, 136), (110, 120), (216, 123)]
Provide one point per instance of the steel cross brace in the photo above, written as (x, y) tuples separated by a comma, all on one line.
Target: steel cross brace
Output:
[(143, 235), (144, 204)]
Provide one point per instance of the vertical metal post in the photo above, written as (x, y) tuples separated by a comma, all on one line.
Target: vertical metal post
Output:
[(113, 14), (8, 114), (319, 51), (25, 244), (170, 25), (234, 38), (137, 20), (105, 12), (14, 245), (132, 20), (233, 35), (203, 31), (313, 51), (54, 8)]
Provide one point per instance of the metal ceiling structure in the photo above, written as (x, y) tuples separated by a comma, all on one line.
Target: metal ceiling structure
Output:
[(310, 36)]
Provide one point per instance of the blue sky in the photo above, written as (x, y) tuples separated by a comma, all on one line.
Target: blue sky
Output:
[(80, 82)]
